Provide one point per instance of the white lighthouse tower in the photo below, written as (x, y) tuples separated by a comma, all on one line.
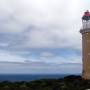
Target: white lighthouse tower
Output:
[(85, 31)]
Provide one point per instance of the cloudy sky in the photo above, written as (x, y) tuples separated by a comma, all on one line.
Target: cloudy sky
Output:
[(41, 36)]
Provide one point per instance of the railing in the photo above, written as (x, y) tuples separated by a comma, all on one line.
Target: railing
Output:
[(86, 24)]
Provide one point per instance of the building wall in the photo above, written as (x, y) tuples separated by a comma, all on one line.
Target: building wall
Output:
[(86, 55)]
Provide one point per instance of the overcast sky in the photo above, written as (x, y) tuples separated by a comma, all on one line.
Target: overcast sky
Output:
[(41, 36)]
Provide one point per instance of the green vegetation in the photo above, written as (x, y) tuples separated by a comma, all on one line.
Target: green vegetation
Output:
[(67, 83)]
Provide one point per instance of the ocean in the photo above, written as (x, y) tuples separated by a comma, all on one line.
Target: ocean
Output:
[(29, 77)]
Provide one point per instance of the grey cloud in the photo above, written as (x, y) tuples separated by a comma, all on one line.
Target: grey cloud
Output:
[(27, 24), (44, 17), (8, 56), (51, 38), (62, 59)]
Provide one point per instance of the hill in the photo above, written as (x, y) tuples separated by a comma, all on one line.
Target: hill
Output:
[(67, 83)]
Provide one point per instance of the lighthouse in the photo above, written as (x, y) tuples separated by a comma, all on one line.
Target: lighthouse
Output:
[(85, 31)]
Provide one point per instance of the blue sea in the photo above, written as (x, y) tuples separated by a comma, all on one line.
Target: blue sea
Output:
[(29, 77)]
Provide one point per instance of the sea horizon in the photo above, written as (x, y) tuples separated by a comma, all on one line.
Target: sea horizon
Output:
[(31, 77)]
